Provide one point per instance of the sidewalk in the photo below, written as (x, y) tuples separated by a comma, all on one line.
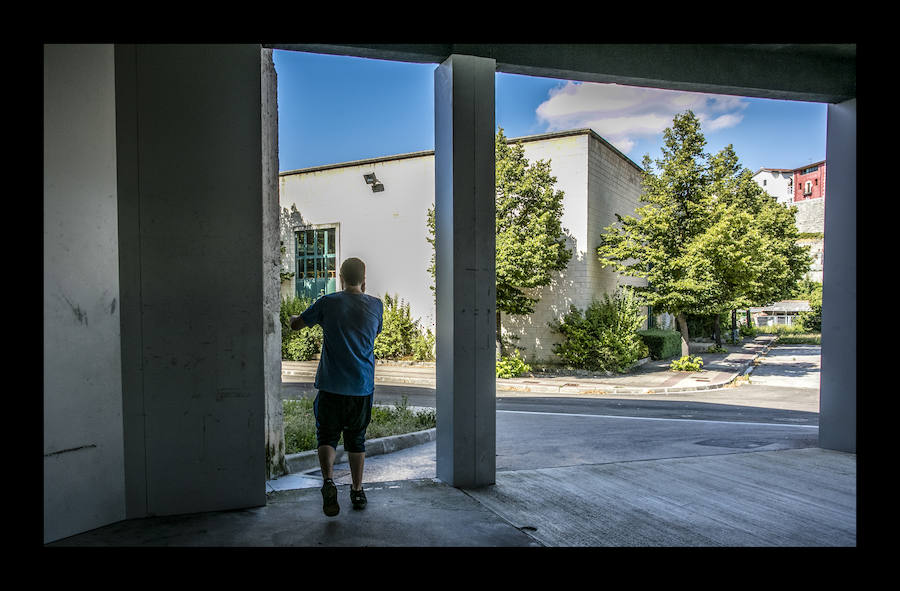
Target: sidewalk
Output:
[(652, 377)]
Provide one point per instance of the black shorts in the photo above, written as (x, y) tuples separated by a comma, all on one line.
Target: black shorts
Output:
[(339, 413)]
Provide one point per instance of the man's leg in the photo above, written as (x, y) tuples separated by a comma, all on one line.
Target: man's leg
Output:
[(357, 461), (326, 461), (327, 434)]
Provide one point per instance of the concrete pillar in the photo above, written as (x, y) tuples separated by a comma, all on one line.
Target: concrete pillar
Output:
[(190, 197), (465, 270), (837, 394), (271, 222)]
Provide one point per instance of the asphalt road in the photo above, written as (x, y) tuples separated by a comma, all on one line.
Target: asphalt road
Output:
[(782, 389)]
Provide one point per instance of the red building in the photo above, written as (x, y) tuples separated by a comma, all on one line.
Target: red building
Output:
[(809, 182)]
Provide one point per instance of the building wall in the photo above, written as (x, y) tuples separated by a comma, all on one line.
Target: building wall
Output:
[(387, 229), (777, 183), (84, 480), (816, 189), (598, 183)]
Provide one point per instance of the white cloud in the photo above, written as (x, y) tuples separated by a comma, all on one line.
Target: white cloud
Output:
[(624, 114)]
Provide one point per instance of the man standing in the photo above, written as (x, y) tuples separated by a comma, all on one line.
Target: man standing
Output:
[(350, 321)]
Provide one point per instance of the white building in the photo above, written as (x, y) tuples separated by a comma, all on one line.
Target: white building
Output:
[(381, 219), (777, 182)]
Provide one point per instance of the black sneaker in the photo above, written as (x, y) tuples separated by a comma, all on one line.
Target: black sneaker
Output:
[(329, 498), (358, 498)]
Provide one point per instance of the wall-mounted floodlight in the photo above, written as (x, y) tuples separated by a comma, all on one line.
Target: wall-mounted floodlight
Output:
[(371, 180)]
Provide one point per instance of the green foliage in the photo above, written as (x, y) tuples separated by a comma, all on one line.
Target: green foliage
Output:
[(399, 418), (298, 345), (747, 330), (300, 422), (800, 339), (512, 366), (709, 238), (661, 344), (687, 363), (716, 349), (401, 336), (812, 292), (530, 238), (605, 336), (299, 425)]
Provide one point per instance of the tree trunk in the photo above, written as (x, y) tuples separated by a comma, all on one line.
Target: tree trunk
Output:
[(717, 329), (734, 328), (683, 329)]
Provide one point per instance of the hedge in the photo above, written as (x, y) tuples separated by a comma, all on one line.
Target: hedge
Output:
[(662, 343)]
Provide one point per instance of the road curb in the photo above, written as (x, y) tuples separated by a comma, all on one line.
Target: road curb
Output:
[(309, 460)]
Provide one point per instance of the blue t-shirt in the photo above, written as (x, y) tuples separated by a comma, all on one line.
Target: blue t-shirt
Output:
[(350, 322)]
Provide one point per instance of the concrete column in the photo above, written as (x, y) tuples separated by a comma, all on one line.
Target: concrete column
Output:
[(271, 235), (837, 394), (465, 270)]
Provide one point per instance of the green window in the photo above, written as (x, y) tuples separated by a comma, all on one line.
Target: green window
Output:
[(316, 256)]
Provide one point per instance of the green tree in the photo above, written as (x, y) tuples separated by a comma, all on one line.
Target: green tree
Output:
[(709, 239), (655, 244), (749, 252), (530, 239)]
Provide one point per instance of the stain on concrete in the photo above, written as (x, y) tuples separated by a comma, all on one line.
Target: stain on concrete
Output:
[(71, 449), (79, 314)]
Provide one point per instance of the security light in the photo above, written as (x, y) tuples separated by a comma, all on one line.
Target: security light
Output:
[(371, 180)]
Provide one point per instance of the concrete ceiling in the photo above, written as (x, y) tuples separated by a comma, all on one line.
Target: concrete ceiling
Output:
[(806, 72)]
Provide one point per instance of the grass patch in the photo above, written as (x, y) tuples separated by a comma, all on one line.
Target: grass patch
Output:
[(396, 419), (811, 338)]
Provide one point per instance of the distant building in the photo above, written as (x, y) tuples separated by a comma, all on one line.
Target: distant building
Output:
[(780, 313), (803, 188), (793, 185)]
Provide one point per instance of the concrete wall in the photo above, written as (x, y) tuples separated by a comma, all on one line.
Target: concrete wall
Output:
[(385, 229), (84, 480), (191, 243), (598, 183)]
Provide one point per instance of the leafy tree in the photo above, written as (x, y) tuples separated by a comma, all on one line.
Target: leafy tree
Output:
[(656, 244), (709, 238), (750, 246), (530, 239)]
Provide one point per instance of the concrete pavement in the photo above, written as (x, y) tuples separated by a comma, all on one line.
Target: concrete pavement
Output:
[(570, 480)]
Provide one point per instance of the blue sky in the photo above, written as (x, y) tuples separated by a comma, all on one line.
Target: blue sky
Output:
[(335, 109)]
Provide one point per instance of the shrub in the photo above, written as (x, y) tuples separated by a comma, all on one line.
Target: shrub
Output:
[(423, 346), (687, 363), (747, 330), (604, 337), (661, 344), (298, 345), (401, 336), (512, 366), (715, 349), (812, 320)]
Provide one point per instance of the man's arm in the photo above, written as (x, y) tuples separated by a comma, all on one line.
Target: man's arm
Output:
[(297, 323)]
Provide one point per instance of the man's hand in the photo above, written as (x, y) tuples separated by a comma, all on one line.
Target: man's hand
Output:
[(297, 323)]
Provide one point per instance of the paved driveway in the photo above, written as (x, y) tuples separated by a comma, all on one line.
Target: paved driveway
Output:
[(789, 366)]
